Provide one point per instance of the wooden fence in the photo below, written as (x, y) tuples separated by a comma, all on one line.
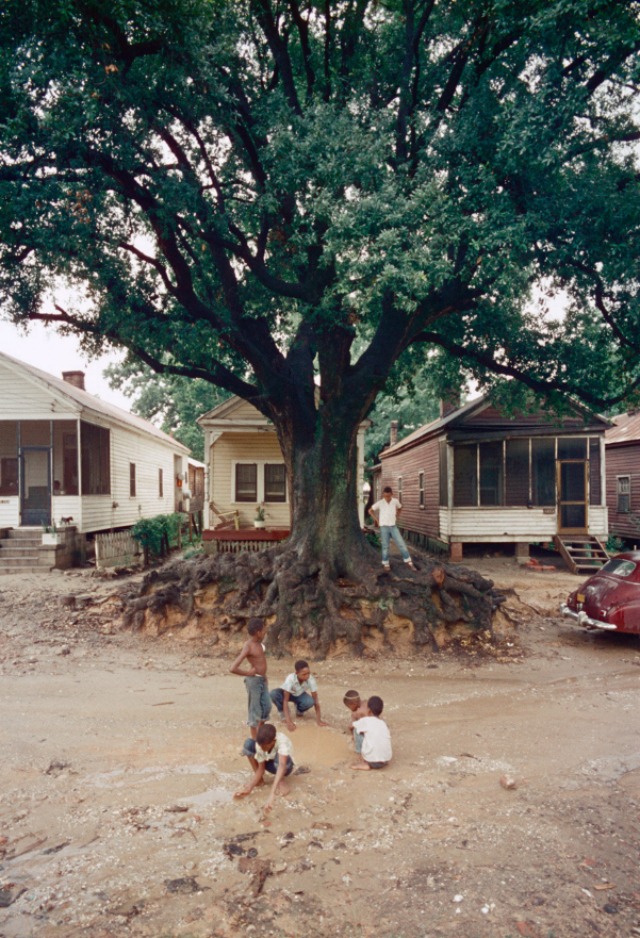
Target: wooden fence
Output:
[(117, 549)]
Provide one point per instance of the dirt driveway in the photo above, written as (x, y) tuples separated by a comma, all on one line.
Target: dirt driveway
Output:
[(510, 808)]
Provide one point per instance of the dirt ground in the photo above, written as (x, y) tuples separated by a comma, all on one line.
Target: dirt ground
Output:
[(510, 807)]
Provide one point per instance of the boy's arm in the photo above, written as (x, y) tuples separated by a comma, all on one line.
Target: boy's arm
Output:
[(316, 704), (286, 696), (235, 667), (256, 779), (280, 771)]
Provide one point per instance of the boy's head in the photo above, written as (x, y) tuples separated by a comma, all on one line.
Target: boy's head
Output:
[(255, 626), (302, 670), (266, 736), (387, 493), (375, 705), (352, 700)]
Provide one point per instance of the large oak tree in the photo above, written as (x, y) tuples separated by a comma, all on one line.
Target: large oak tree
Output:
[(271, 194)]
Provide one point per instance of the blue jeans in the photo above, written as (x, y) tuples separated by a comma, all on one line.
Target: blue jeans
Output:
[(303, 701), (388, 533), (358, 739), (259, 700), (249, 750)]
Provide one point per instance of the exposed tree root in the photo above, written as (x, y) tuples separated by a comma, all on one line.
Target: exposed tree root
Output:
[(308, 609)]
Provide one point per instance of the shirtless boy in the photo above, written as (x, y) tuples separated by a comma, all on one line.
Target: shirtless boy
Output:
[(255, 678), (358, 709)]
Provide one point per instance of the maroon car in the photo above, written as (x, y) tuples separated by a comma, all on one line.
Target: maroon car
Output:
[(610, 599)]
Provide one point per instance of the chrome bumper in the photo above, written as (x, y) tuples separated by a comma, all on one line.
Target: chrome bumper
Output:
[(585, 621)]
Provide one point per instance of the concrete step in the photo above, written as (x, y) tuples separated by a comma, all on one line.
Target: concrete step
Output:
[(13, 571), (36, 558)]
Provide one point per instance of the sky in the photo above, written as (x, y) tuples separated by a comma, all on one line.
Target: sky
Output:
[(43, 348)]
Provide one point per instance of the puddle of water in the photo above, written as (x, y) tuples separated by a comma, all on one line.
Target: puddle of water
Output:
[(124, 775), (207, 798)]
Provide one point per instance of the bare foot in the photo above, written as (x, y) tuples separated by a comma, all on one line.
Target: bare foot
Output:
[(283, 788), (363, 766), (242, 793)]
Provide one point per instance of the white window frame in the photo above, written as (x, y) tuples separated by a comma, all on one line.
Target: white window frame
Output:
[(623, 491), (399, 488), (260, 463), (421, 489)]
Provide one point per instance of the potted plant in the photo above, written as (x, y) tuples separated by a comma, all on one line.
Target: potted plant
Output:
[(259, 520)]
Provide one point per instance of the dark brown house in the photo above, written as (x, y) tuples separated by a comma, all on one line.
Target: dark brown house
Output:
[(476, 475), (623, 476)]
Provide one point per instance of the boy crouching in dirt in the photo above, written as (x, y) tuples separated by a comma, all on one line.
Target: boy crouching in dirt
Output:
[(358, 709), (376, 745), (269, 752)]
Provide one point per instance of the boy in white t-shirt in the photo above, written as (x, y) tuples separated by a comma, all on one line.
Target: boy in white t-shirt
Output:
[(270, 752), (376, 744), (385, 514), (300, 688)]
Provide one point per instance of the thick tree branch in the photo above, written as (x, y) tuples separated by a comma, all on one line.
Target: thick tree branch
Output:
[(486, 360)]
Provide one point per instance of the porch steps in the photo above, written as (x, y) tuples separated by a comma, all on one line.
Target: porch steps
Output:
[(581, 553), (20, 551)]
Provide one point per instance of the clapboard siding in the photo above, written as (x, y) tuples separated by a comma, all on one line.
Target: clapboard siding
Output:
[(511, 524), (408, 466), (29, 395), (232, 448), (624, 461), (22, 399)]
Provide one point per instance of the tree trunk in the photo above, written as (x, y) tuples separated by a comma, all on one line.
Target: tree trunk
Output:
[(323, 469)]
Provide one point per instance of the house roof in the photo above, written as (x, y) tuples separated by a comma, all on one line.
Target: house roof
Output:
[(451, 420), (625, 429), (225, 415), (86, 404)]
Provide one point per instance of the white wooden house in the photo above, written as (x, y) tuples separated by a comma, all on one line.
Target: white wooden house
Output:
[(65, 454), (245, 466), (480, 475)]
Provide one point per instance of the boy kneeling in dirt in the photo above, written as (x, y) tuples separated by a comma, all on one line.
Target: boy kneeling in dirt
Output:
[(270, 752)]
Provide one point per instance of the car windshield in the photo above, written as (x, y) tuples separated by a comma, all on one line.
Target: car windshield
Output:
[(619, 567)]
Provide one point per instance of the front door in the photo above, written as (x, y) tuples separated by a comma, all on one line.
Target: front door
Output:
[(35, 487), (573, 501)]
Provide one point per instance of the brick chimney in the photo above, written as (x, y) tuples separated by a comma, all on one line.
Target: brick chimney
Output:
[(393, 433), (449, 402), (76, 378)]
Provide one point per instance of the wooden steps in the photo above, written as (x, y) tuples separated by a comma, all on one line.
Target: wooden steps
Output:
[(581, 552)]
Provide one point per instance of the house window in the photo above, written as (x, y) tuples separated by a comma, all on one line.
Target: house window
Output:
[(623, 486), (491, 474), (465, 475), (246, 482), (421, 489), (517, 473), (132, 479), (399, 496), (275, 482), (543, 472), (95, 455), (160, 484)]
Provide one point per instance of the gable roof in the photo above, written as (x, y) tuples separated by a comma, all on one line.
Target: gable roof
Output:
[(462, 414), (625, 429), (86, 404)]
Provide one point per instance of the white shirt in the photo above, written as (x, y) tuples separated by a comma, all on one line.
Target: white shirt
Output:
[(282, 747), (376, 745), (295, 687), (387, 511)]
